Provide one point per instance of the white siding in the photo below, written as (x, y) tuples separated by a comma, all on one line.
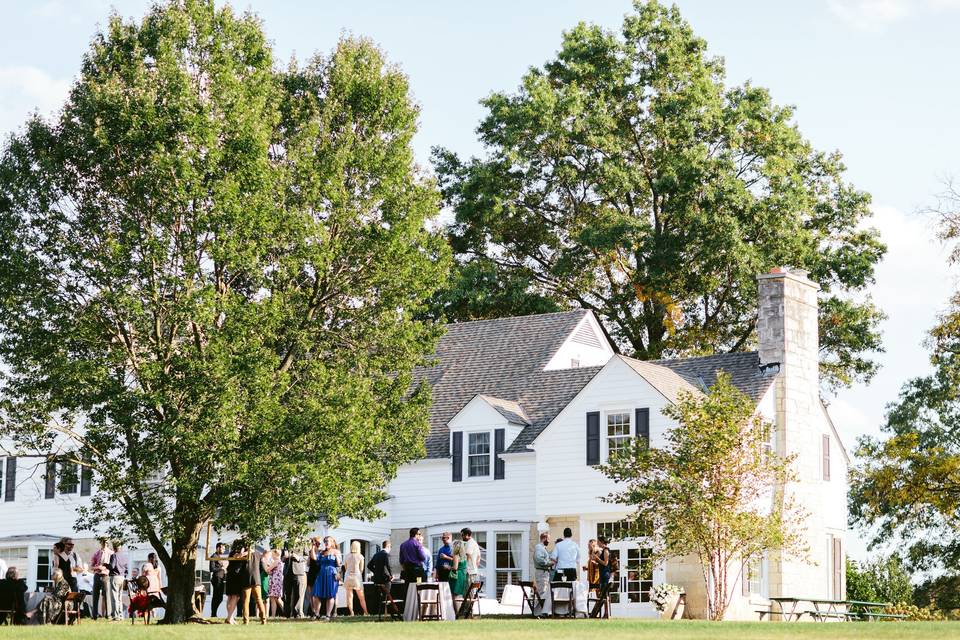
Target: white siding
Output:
[(565, 484), (425, 494), (586, 346), (31, 513)]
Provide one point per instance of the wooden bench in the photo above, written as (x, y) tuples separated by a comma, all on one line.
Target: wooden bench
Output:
[(882, 616), (822, 616)]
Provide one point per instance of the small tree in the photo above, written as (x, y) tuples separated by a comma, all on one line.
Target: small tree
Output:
[(715, 489), (881, 579)]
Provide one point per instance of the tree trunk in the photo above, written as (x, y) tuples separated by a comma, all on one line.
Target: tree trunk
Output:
[(181, 577)]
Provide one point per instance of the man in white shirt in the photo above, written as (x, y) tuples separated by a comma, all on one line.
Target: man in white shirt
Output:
[(566, 555), (472, 551)]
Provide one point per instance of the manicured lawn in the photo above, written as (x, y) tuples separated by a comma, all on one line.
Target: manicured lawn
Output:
[(492, 629)]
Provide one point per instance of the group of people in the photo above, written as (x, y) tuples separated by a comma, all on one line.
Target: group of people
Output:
[(299, 584), (104, 578), (563, 563)]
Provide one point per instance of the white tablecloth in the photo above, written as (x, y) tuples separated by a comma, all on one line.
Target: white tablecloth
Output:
[(411, 611), (580, 597)]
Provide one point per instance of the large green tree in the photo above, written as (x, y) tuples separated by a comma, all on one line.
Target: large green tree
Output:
[(907, 486), (209, 279), (625, 177), (714, 490)]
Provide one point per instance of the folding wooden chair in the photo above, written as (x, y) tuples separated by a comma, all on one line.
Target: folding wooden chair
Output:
[(569, 600), (531, 597), (71, 606), (9, 615), (428, 601), (470, 598), (388, 603), (601, 602)]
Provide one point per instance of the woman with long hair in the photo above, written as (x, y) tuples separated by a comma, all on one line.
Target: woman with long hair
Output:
[(51, 608), (353, 580), (458, 574), (151, 569), (273, 572), (328, 579), (593, 568)]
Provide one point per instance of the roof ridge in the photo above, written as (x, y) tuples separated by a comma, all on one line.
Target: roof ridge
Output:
[(531, 315), (689, 358)]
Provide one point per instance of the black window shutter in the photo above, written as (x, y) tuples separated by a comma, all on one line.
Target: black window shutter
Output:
[(86, 477), (51, 477), (9, 492), (458, 456), (593, 438), (499, 440), (643, 424)]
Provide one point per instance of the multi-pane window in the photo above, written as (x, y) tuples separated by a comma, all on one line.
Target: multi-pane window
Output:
[(753, 574), (508, 560), (622, 530), (478, 454), (618, 432), (637, 575), (69, 476)]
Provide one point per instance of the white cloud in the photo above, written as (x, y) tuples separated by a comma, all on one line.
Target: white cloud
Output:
[(27, 89), (877, 15)]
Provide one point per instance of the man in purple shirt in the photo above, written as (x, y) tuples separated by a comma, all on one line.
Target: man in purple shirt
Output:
[(412, 557)]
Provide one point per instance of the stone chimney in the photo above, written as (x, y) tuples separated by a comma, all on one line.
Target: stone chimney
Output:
[(787, 331)]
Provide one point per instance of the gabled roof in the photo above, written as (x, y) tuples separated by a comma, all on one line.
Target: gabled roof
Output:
[(663, 379), (503, 358), (744, 370), (509, 409)]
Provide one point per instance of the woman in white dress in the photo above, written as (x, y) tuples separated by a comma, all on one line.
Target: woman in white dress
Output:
[(353, 579)]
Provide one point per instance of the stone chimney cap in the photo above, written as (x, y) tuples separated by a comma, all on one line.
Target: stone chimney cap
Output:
[(794, 273)]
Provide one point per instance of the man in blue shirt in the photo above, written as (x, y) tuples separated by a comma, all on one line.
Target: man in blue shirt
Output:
[(567, 557), (444, 561)]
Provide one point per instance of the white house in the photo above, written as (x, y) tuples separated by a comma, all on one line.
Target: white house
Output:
[(524, 410)]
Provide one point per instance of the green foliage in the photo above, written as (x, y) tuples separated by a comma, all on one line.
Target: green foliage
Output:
[(942, 592), (879, 580), (480, 291), (210, 278), (626, 177), (702, 493)]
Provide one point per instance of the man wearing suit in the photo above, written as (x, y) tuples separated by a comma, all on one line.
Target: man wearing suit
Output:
[(379, 566)]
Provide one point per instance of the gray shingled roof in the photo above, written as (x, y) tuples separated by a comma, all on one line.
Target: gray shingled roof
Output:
[(744, 370), (663, 379), (509, 409), (503, 358)]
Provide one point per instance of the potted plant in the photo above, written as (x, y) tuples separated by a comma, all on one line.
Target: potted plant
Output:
[(665, 597)]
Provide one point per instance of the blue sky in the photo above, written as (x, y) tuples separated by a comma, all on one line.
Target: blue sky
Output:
[(875, 79)]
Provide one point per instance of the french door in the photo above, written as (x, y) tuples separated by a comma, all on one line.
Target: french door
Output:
[(632, 582)]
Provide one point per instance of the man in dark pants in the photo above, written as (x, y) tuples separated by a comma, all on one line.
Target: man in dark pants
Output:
[(379, 566), (412, 556), (218, 576)]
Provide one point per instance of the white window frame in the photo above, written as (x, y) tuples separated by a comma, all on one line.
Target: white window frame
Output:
[(604, 434), (467, 455), (764, 585)]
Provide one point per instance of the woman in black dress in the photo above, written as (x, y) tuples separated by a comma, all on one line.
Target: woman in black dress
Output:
[(237, 579)]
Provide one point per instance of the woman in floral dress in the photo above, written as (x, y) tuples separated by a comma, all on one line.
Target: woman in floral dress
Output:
[(275, 583), (50, 609)]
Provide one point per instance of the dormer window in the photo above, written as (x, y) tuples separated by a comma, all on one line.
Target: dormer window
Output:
[(478, 454)]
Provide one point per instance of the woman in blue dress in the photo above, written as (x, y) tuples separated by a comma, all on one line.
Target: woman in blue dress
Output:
[(328, 579)]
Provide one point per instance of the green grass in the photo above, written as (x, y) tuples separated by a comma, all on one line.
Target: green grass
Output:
[(494, 629)]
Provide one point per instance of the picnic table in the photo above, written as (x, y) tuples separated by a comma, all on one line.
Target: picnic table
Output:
[(826, 609)]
